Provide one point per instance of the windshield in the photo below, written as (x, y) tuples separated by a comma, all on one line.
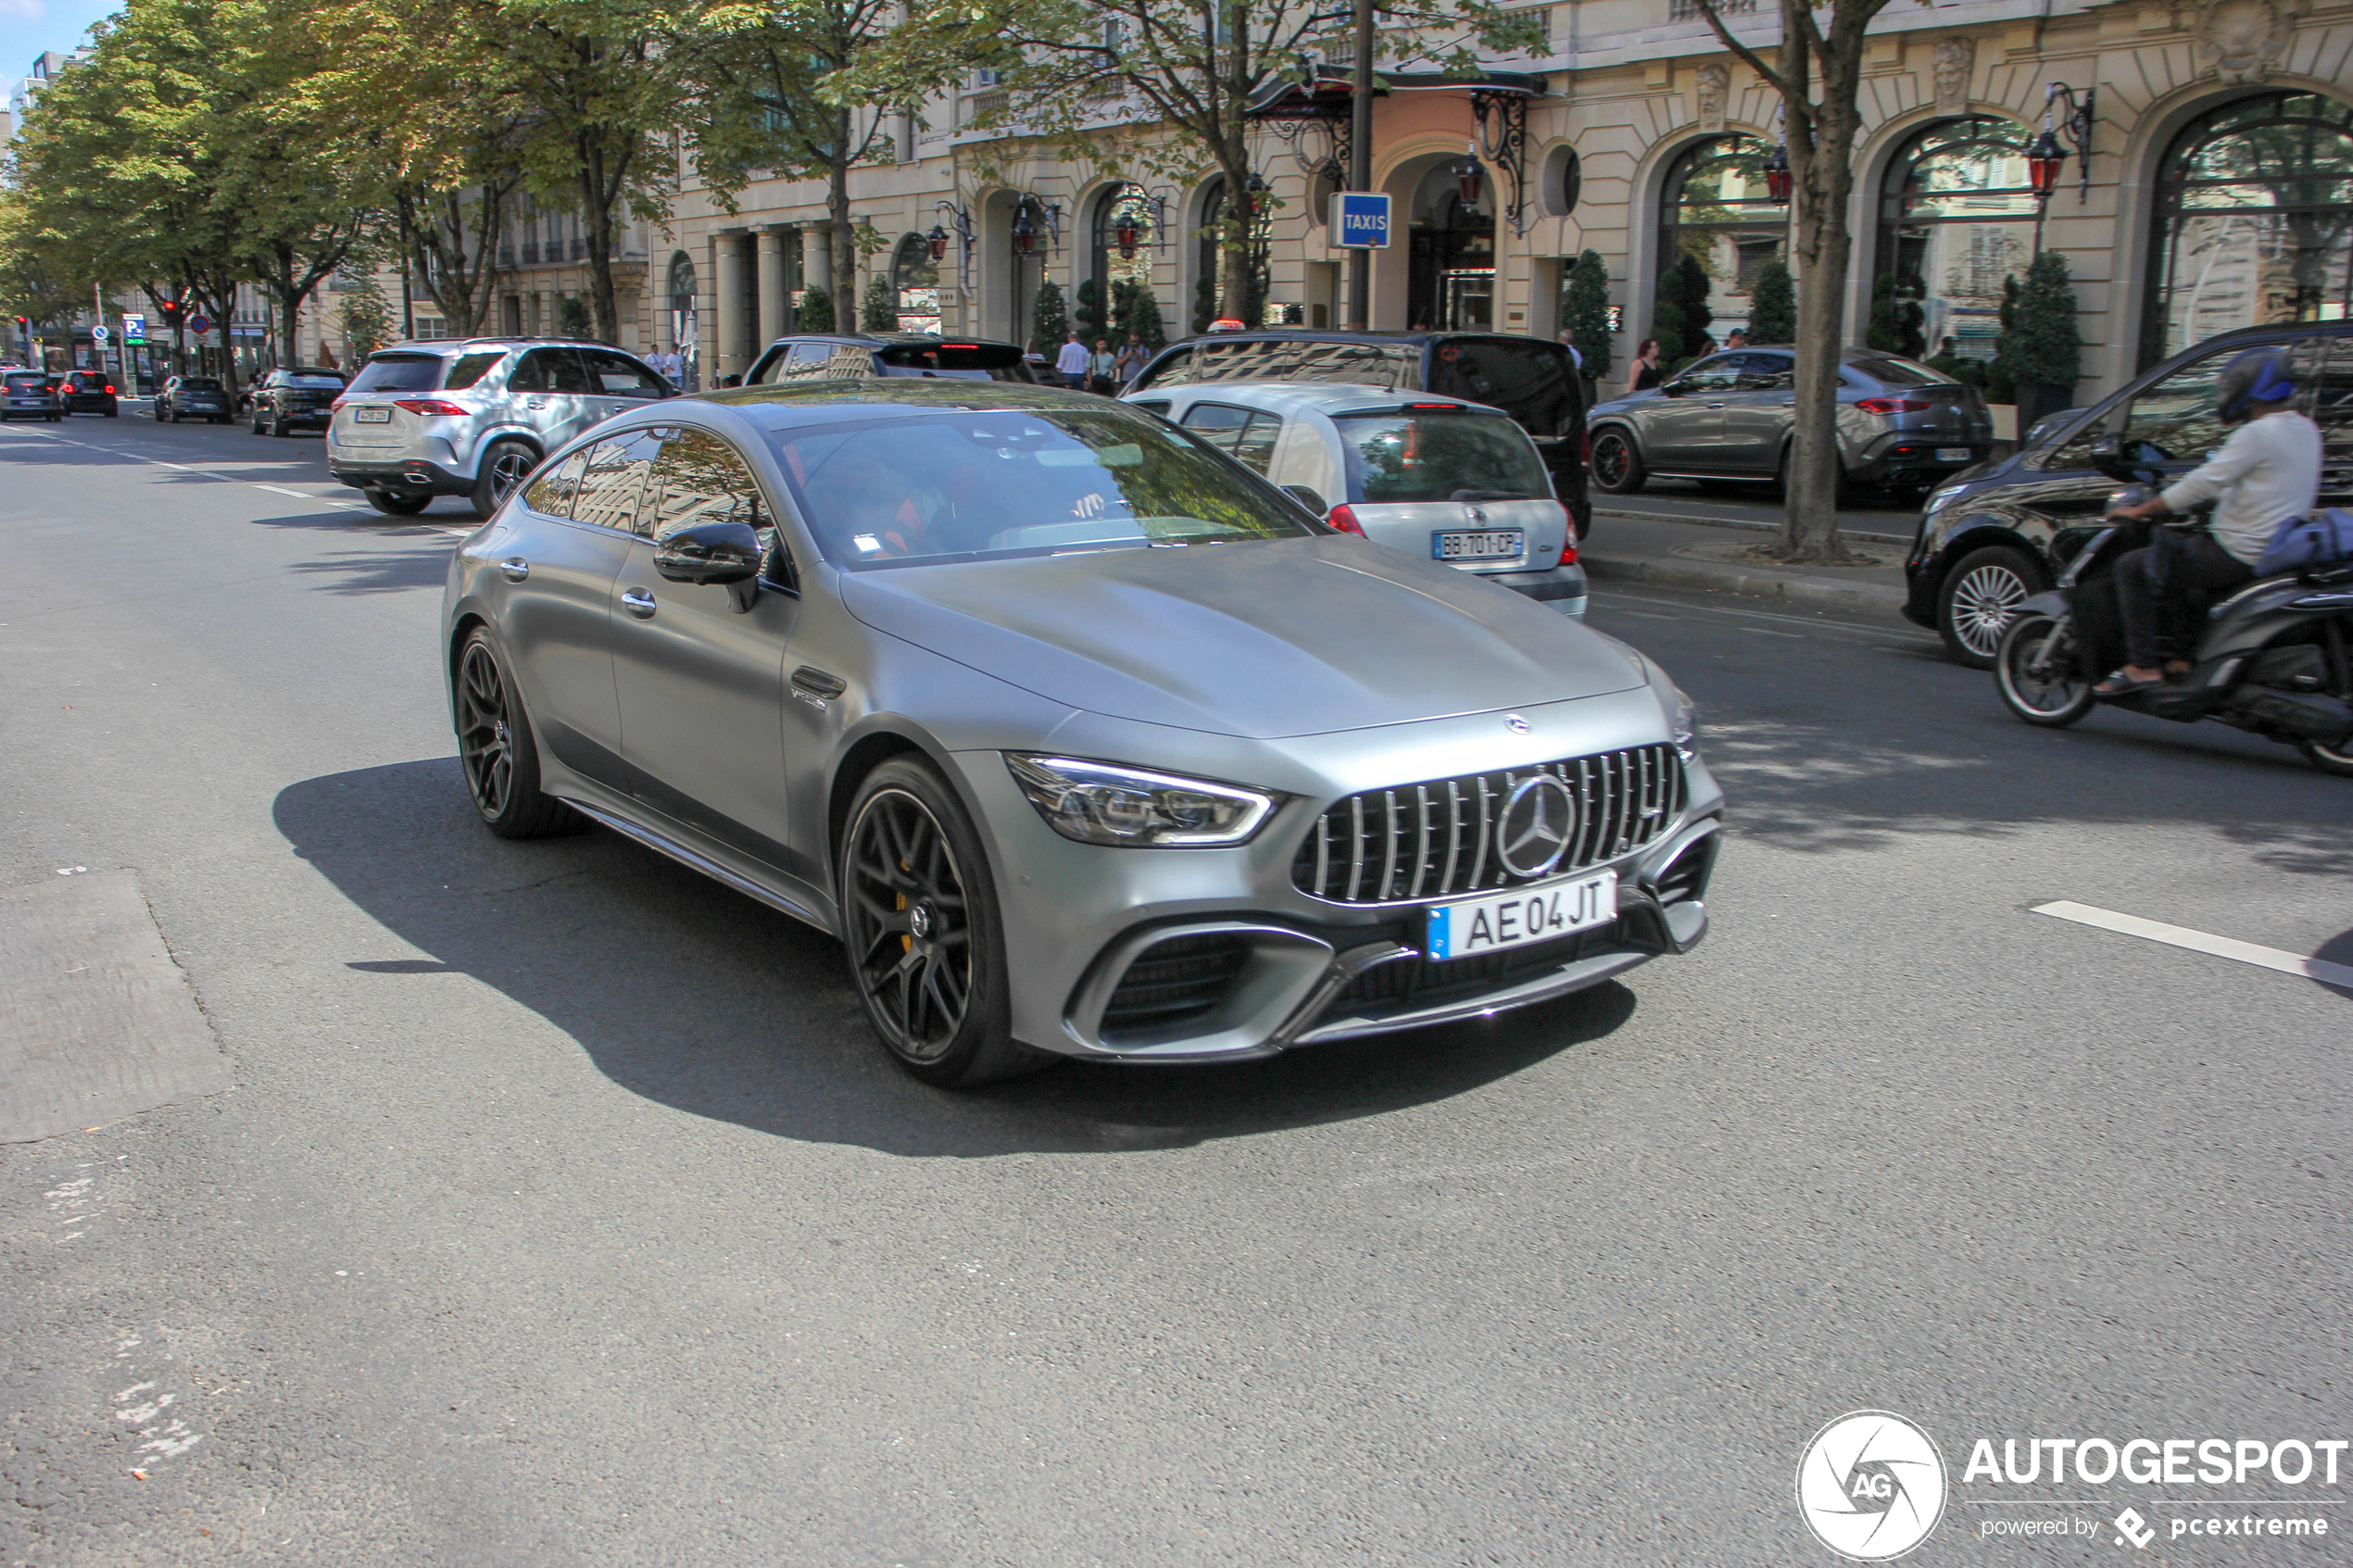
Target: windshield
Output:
[(304, 378), (35, 380), (1429, 457), (1890, 371), (399, 372), (1390, 365), (973, 485), (199, 383), (955, 361)]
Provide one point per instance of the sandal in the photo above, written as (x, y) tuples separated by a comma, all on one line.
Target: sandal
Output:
[(2121, 685)]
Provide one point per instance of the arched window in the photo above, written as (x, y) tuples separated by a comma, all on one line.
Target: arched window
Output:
[(2254, 221), (1714, 206), (1121, 238), (1208, 243), (915, 277), (1956, 217), (686, 332)]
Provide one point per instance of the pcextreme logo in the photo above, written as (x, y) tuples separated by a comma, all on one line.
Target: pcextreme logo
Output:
[(1871, 1486)]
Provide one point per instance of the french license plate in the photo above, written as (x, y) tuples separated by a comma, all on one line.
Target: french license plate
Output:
[(1484, 544), (371, 416), (1537, 913), (1952, 453)]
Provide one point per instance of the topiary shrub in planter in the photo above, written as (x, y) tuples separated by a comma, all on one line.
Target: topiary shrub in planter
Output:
[(1772, 305), (1048, 319), (1585, 314), (878, 308), (2045, 347), (816, 311)]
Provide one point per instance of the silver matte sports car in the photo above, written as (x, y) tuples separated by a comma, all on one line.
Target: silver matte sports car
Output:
[(1083, 739)]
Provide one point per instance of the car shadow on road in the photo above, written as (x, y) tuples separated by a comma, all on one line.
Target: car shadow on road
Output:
[(695, 996)]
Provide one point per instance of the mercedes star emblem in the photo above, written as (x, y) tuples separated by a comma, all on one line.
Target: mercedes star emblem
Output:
[(1517, 724), (1539, 818)]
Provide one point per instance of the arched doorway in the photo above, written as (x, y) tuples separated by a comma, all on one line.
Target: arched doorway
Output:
[(1956, 217), (1119, 239), (1208, 248), (915, 281), (686, 330), (1030, 240), (2254, 221), (1714, 208), (1450, 274)]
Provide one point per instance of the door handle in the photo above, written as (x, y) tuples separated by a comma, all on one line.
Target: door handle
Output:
[(535, 403), (1715, 405), (639, 602), (514, 568)]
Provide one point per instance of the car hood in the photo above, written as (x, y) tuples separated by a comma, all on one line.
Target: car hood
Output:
[(1260, 639)]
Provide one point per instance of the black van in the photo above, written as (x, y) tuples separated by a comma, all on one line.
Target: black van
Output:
[(1991, 536), (1535, 382)]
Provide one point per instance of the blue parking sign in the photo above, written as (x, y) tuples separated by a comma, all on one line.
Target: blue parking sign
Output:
[(1360, 219)]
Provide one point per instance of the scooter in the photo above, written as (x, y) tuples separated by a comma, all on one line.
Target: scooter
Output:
[(2275, 658)]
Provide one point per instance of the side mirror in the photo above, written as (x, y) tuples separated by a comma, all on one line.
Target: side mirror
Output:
[(1306, 496), (726, 553), (2108, 456), (1673, 389)]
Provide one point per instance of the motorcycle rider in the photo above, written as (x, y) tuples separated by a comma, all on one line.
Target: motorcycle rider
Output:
[(2268, 472)]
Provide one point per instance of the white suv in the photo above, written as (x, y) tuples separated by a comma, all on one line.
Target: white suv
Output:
[(473, 417)]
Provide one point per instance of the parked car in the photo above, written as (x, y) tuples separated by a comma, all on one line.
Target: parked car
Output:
[(1085, 740), (1993, 536), (1902, 427), (806, 356), (192, 397), (296, 397), (87, 391), (1439, 478), (1532, 379), (474, 417), (28, 395)]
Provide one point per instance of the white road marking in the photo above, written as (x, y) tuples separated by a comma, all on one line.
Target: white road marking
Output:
[(2327, 973), (226, 479), (281, 490)]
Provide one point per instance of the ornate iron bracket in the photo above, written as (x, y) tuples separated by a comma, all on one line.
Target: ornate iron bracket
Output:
[(962, 219), (1504, 144)]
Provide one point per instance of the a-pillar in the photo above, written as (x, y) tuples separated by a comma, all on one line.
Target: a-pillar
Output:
[(728, 278), (775, 287)]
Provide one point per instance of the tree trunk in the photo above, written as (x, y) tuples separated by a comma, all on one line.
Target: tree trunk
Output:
[(1233, 257), (596, 189), (843, 238)]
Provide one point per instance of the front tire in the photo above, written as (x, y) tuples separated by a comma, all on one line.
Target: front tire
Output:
[(1979, 599), (2328, 759), (504, 467), (277, 427), (920, 924), (394, 504), (495, 748), (1618, 463), (2057, 697)]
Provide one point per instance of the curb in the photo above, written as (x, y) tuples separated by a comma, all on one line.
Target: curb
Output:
[(1733, 580), (1750, 525)]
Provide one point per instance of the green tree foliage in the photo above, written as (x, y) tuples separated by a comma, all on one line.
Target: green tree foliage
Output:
[(1068, 65), (2047, 349), (1772, 305), (815, 313), (1204, 303), (1135, 309), (878, 311), (1680, 318), (572, 317), (1090, 311), (366, 317), (1049, 318), (1585, 313)]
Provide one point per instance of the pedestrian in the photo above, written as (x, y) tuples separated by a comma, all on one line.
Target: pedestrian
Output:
[(1738, 338), (1646, 373), (1071, 362), (1576, 355), (1102, 368), (1133, 357)]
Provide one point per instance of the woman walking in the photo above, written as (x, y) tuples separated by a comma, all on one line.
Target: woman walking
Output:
[(1646, 371)]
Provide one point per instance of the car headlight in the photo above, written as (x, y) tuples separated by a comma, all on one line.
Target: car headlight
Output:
[(1941, 497), (1684, 727), (1101, 803)]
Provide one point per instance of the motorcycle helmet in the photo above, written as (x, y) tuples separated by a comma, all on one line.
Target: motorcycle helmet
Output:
[(2259, 375)]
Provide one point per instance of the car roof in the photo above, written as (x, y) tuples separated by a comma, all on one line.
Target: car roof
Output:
[(793, 404), (1336, 335), (887, 339), (1321, 397), (459, 345)]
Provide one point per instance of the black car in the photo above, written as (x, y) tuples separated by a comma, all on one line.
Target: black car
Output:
[(1534, 380), (87, 391), (29, 395), (192, 397), (1998, 531), (296, 397), (807, 357)]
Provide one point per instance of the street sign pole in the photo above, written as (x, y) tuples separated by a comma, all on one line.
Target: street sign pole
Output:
[(1360, 165)]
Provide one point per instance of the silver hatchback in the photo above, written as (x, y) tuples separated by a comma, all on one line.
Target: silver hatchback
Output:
[(1901, 425), (1437, 477), (474, 417)]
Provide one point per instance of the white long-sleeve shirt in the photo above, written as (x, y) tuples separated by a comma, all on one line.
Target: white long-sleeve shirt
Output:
[(1072, 361), (2267, 472)]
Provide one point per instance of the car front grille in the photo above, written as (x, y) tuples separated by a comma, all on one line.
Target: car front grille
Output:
[(1172, 982), (1436, 839)]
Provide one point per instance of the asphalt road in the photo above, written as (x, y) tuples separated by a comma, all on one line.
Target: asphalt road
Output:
[(562, 1212)]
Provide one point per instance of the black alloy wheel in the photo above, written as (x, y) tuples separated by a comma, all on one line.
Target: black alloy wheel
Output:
[(495, 747), (2054, 696), (1618, 467), (919, 923), (504, 468), (397, 503), (1980, 597)]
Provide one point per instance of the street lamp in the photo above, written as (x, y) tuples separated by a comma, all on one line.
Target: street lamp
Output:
[(1025, 231), (1470, 177), (937, 243), (1127, 234), (2043, 161), (1777, 177)]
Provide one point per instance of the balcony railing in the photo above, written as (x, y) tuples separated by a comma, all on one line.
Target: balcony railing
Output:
[(1688, 11)]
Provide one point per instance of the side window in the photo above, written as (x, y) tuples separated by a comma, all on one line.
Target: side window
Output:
[(470, 369), (535, 373), (1763, 372), (2174, 419), (1534, 382), (1711, 375), (1173, 370), (1151, 404), (1247, 433), (616, 375), (699, 478), (570, 370), (2323, 366), (613, 480), (551, 493)]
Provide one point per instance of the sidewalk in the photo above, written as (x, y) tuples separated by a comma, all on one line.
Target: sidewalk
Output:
[(1704, 555)]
